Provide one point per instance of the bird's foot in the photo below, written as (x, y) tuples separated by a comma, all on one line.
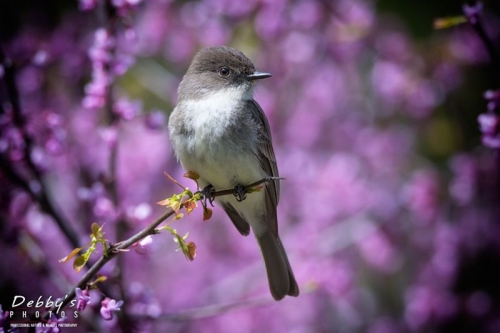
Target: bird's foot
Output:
[(240, 193), (207, 193)]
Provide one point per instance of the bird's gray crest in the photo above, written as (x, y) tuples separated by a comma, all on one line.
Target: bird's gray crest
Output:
[(211, 59), (204, 76)]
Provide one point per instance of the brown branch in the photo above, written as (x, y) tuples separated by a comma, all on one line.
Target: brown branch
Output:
[(118, 248), (113, 252), (247, 187), (42, 196)]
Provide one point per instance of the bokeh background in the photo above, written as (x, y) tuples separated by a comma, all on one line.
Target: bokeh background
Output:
[(390, 209)]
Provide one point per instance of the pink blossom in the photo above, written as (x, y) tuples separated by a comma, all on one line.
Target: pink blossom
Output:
[(108, 306)]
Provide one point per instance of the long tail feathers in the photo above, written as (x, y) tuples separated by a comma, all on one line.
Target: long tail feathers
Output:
[(279, 272)]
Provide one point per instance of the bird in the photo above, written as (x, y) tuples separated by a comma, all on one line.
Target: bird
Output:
[(218, 131)]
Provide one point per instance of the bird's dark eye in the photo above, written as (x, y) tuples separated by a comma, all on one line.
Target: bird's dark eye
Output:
[(223, 71)]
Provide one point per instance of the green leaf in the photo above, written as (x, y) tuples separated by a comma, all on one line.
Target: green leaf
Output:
[(100, 278), (71, 255), (448, 22), (79, 263)]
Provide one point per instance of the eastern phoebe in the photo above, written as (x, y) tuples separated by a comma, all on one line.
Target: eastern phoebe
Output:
[(218, 131)]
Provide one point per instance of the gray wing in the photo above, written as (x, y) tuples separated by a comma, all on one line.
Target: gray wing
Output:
[(268, 164), (240, 224)]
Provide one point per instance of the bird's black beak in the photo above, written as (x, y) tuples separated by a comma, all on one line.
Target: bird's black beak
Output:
[(258, 76)]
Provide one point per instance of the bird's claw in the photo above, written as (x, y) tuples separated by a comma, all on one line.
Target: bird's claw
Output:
[(207, 193), (240, 193)]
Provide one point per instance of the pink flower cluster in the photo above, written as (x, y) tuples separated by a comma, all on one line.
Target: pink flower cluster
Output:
[(389, 210)]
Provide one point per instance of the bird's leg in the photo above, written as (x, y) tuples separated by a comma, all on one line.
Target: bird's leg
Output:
[(207, 193), (240, 193)]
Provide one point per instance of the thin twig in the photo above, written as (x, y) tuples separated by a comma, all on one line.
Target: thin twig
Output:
[(41, 196), (113, 252), (119, 247), (247, 187)]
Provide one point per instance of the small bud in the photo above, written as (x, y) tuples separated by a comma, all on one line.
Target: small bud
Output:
[(190, 206), (207, 214), (143, 246), (83, 299), (191, 251), (192, 175)]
